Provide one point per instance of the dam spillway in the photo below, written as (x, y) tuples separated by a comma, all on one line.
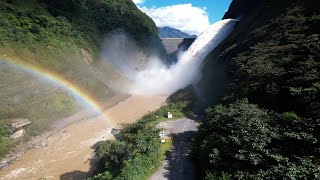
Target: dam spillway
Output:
[(159, 79)]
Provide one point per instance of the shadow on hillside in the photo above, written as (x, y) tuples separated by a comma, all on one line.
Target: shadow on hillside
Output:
[(77, 175), (180, 164), (186, 43)]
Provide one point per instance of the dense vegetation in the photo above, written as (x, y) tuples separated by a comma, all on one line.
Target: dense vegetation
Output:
[(34, 27), (243, 141), (278, 65), (272, 60), (134, 157), (138, 152)]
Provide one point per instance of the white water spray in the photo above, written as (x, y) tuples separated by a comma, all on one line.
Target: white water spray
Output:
[(158, 79)]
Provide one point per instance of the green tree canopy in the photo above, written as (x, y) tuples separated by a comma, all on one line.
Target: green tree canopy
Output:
[(247, 142)]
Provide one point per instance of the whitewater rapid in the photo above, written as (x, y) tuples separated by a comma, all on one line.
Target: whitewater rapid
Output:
[(158, 79)]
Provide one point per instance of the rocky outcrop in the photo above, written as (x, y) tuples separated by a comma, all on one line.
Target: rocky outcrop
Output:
[(16, 126)]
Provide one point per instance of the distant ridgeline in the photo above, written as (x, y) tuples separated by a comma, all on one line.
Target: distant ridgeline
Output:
[(63, 37), (168, 32), (271, 59)]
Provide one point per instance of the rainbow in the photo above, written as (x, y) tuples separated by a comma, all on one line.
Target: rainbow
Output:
[(59, 80)]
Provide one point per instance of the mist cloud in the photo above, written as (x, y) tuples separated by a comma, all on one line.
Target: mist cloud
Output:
[(149, 75)]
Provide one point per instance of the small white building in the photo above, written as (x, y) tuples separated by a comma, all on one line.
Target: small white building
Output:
[(169, 115)]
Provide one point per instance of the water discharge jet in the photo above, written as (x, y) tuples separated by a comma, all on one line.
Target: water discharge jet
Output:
[(148, 75), (158, 79)]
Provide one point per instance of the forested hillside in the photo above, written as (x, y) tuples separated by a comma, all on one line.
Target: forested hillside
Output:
[(66, 36), (266, 75), (63, 37), (64, 24)]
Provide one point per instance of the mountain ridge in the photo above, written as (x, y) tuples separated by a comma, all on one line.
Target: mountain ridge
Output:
[(169, 32)]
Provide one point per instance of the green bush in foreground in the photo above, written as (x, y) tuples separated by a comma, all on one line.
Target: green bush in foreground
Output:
[(138, 153), (135, 156), (5, 142), (242, 141)]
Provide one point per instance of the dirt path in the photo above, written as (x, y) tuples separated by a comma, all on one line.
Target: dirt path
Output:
[(68, 154)]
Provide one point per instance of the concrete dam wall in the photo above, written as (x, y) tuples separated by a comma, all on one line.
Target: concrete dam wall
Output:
[(174, 44)]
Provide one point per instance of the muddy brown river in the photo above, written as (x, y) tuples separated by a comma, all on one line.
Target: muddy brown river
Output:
[(69, 154)]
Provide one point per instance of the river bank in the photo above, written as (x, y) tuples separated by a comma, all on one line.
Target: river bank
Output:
[(69, 153), (36, 142)]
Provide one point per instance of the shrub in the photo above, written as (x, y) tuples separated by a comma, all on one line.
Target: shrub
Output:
[(5, 141)]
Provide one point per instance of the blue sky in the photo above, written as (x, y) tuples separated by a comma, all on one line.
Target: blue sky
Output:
[(190, 16), (215, 8)]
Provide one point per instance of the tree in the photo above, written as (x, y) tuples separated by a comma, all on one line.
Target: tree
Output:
[(112, 155), (5, 141), (245, 141)]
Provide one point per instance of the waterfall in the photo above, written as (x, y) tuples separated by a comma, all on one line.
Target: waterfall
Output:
[(158, 79)]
